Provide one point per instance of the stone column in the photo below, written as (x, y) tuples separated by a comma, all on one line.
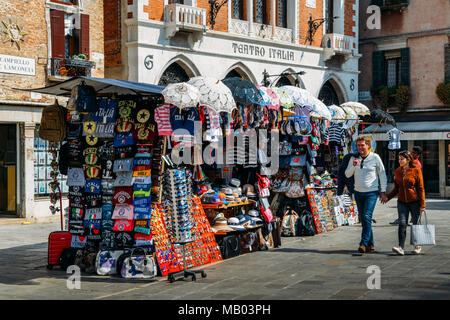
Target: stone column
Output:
[(28, 171), (251, 32)]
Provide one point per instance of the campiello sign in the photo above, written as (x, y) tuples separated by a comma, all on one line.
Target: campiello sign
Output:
[(17, 65), (262, 52)]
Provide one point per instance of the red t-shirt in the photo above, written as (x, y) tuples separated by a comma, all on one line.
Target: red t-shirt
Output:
[(419, 165)]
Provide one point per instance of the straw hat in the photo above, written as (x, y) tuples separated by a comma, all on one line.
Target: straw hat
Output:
[(221, 226)]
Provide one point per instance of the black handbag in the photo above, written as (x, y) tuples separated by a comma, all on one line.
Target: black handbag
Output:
[(229, 246)]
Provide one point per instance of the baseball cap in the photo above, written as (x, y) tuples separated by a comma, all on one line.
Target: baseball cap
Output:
[(235, 224)]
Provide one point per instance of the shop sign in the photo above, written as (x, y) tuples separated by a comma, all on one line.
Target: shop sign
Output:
[(17, 65), (263, 52)]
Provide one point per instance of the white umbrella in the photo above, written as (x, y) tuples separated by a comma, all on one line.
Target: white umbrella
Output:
[(320, 110), (359, 108), (214, 94), (339, 113), (351, 115), (182, 95), (300, 96)]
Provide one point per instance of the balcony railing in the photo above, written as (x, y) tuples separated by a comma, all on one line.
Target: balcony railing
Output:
[(263, 31), (65, 68), (182, 17), (391, 4), (338, 44)]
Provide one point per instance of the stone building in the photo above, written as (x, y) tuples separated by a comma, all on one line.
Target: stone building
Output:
[(409, 53), (265, 41), (58, 40)]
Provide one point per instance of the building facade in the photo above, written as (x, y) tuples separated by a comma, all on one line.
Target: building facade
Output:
[(58, 40), (403, 62), (265, 41)]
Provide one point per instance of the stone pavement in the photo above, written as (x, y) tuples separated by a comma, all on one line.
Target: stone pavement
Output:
[(321, 267)]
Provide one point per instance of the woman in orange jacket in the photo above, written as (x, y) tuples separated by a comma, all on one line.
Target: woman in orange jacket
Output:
[(408, 184)]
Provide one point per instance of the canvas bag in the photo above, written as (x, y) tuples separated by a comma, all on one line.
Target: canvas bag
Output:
[(139, 267), (53, 123), (289, 224), (423, 234), (106, 261)]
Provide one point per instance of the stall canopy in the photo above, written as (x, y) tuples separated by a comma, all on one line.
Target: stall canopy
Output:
[(101, 85), (423, 126)]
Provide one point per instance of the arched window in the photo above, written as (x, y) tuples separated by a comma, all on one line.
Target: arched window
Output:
[(233, 73), (283, 81), (173, 74), (328, 95)]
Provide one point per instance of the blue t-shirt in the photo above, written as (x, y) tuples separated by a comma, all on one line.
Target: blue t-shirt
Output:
[(184, 119)]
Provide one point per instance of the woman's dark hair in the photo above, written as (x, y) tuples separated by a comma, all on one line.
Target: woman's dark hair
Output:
[(408, 156)]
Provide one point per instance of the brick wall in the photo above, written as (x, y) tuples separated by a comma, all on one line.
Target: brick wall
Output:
[(96, 38), (113, 57), (349, 24), (305, 13), (34, 45), (155, 10)]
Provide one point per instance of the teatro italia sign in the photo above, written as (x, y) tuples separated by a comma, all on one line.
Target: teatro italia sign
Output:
[(262, 52)]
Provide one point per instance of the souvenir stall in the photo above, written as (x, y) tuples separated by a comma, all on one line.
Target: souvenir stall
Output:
[(132, 212), (313, 140), (224, 157)]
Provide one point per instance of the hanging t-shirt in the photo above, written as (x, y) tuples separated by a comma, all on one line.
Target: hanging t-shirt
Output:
[(184, 119), (162, 118), (336, 133), (394, 139)]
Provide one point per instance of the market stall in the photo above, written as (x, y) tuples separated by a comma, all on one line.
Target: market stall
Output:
[(181, 176)]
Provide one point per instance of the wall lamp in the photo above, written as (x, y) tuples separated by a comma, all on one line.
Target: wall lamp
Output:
[(266, 76), (215, 6), (314, 25)]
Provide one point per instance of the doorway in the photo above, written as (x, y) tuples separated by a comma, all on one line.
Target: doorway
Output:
[(8, 167), (430, 165)]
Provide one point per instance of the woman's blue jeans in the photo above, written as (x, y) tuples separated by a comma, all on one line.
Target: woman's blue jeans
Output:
[(366, 201)]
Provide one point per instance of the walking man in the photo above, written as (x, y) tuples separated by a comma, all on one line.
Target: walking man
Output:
[(370, 183)]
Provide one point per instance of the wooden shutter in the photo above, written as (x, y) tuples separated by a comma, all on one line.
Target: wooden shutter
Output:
[(84, 35), (378, 69), (405, 74), (447, 62), (57, 37)]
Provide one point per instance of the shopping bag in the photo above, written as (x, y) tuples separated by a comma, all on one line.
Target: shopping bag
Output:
[(423, 234)]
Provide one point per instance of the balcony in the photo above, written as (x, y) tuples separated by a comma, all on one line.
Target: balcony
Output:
[(338, 44), (391, 5), (178, 17), (264, 31), (63, 69)]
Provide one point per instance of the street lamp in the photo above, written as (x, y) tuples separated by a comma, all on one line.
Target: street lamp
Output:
[(215, 6), (314, 25), (266, 75)]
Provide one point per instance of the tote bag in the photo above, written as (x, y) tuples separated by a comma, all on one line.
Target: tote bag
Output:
[(423, 234)]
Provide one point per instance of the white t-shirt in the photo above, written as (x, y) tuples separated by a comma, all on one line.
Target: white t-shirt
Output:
[(372, 176)]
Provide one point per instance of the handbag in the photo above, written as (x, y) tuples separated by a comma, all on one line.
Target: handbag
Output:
[(143, 266), (423, 234), (106, 261)]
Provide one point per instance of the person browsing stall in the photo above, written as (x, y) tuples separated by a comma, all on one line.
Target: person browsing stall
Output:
[(408, 184), (370, 183)]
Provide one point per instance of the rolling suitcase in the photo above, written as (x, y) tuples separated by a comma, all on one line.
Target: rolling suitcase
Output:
[(58, 241)]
